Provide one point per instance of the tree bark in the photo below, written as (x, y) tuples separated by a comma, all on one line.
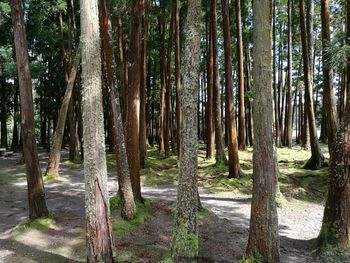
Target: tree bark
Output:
[(99, 238), (177, 73), (263, 232), (36, 192), (128, 208), (220, 154), (317, 159), (133, 115), (185, 245), (233, 158)]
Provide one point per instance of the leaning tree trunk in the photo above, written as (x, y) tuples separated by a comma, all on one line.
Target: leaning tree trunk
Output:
[(336, 219), (220, 153), (128, 208), (185, 245), (329, 97), (133, 115), (36, 192), (55, 153), (233, 158), (99, 238), (263, 232), (317, 159)]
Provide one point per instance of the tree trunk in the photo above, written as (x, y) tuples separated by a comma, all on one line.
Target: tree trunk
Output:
[(133, 115), (55, 153), (336, 219), (317, 159), (177, 73), (329, 97), (99, 238), (220, 154), (233, 158), (128, 208), (263, 232), (185, 245), (15, 139), (241, 107), (289, 114), (36, 192)]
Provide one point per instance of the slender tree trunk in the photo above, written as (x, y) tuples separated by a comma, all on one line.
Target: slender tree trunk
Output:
[(289, 114), (329, 97), (241, 107), (336, 219), (55, 153), (185, 245), (263, 232), (317, 159), (128, 208), (3, 115), (177, 73), (15, 131), (133, 116), (36, 192), (233, 158), (220, 154), (99, 238)]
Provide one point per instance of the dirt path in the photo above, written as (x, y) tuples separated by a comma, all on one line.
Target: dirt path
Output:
[(224, 231)]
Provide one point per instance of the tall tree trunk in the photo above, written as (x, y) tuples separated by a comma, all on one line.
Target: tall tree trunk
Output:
[(233, 158), (263, 232), (99, 238), (36, 192), (133, 115), (3, 115), (128, 208), (55, 153), (220, 154), (329, 97), (289, 114), (177, 73), (143, 86), (210, 102), (15, 139), (317, 159), (241, 107), (185, 245), (336, 219)]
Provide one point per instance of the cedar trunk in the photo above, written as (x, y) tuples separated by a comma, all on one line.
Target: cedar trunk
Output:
[(36, 192)]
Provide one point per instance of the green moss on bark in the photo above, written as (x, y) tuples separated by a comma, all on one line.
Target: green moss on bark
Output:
[(185, 244)]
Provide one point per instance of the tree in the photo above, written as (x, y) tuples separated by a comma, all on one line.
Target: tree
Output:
[(317, 159), (329, 97), (128, 208), (133, 114), (336, 218), (185, 236), (233, 158), (220, 154), (241, 109), (36, 193), (177, 73), (99, 238), (263, 231)]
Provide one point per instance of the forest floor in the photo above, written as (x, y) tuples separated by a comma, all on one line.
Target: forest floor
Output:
[(223, 224)]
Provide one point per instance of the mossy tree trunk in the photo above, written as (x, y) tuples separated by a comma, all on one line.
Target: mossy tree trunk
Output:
[(36, 192), (128, 208), (336, 219), (233, 158), (317, 159), (263, 232), (185, 239), (99, 238)]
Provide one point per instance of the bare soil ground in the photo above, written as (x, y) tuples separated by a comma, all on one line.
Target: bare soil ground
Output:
[(223, 229)]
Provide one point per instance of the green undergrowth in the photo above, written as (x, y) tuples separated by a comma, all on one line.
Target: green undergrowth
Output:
[(251, 259), (121, 226), (40, 224), (77, 165), (333, 254), (51, 177), (9, 177)]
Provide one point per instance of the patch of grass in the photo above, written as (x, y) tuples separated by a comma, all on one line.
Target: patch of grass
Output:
[(126, 256), (256, 259), (332, 254), (121, 226), (7, 178), (51, 177), (114, 202), (76, 165), (40, 224)]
